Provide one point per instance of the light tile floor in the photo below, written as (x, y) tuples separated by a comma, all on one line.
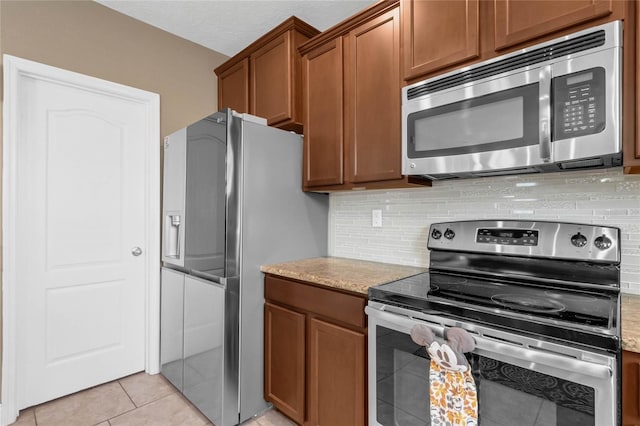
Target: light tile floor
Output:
[(137, 400)]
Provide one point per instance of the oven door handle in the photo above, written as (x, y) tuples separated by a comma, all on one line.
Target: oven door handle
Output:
[(403, 323), (491, 347), (560, 361)]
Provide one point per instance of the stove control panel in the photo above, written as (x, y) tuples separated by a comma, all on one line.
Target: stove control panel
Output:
[(559, 240), (511, 237)]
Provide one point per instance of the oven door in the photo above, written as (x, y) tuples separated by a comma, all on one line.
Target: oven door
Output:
[(520, 381), (481, 126)]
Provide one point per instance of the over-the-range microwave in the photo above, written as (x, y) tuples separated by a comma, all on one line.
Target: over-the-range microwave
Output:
[(551, 107)]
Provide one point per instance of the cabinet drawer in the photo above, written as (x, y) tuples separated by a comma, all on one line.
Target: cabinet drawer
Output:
[(342, 307)]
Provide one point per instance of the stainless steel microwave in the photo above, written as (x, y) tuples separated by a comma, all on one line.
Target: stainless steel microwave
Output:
[(551, 107)]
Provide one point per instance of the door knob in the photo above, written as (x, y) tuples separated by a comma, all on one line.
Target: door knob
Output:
[(136, 251)]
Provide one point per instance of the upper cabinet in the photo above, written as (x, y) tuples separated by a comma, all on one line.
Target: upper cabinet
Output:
[(441, 35), (372, 101), (518, 21), (233, 86), (438, 33), (322, 70), (351, 77), (264, 79), (631, 153)]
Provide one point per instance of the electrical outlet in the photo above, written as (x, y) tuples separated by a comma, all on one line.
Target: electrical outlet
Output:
[(376, 218)]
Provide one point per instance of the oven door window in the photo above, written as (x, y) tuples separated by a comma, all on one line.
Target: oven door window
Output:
[(497, 121), (508, 395)]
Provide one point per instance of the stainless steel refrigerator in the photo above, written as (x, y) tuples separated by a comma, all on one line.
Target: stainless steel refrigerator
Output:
[(232, 201)]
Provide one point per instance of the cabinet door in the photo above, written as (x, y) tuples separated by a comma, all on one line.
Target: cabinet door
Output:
[(272, 80), (630, 388), (372, 100), (454, 24), (323, 115), (631, 153), (284, 360), (233, 87), (518, 21), (336, 382)]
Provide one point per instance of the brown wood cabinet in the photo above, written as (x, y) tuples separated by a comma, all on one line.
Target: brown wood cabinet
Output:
[(631, 154), (264, 79), (284, 359), (630, 388), (372, 101), (336, 374), (438, 33), (469, 31), (315, 353), (323, 115), (518, 21), (351, 78), (233, 87)]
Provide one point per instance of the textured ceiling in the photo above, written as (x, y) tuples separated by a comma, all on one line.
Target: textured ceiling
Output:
[(228, 26)]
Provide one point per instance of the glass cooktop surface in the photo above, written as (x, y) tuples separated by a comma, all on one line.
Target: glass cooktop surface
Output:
[(580, 315)]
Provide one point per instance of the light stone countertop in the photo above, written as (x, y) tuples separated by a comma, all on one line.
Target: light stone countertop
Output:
[(631, 322), (358, 275), (341, 273)]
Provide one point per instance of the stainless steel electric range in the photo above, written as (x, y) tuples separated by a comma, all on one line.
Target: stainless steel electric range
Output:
[(542, 302)]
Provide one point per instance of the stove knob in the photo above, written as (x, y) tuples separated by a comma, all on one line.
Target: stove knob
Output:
[(449, 234), (435, 234), (602, 242), (579, 240)]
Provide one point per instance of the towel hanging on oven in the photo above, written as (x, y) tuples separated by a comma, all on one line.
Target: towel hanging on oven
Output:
[(452, 391)]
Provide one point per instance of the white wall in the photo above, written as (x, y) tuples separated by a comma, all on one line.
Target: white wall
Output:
[(605, 197)]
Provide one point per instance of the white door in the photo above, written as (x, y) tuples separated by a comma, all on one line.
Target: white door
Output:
[(81, 225)]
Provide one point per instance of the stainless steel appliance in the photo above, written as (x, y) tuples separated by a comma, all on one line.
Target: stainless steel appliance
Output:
[(232, 201), (542, 302), (551, 107)]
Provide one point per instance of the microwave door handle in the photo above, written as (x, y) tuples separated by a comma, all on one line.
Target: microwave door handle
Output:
[(545, 113)]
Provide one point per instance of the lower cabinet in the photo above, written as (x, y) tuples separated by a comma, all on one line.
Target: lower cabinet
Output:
[(336, 374), (315, 357), (284, 360), (630, 388)]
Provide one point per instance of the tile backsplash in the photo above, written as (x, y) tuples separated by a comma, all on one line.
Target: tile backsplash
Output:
[(603, 197)]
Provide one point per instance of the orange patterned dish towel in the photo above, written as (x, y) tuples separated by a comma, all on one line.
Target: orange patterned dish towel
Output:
[(453, 397)]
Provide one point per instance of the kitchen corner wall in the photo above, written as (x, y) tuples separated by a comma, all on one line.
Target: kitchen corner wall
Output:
[(87, 37), (603, 197)]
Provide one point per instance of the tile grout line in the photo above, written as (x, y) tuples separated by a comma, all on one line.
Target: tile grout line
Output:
[(135, 407), (127, 393)]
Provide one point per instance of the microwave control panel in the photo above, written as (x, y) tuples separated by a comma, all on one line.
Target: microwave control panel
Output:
[(579, 103)]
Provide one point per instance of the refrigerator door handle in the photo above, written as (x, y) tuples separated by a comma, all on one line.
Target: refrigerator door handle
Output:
[(209, 277)]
